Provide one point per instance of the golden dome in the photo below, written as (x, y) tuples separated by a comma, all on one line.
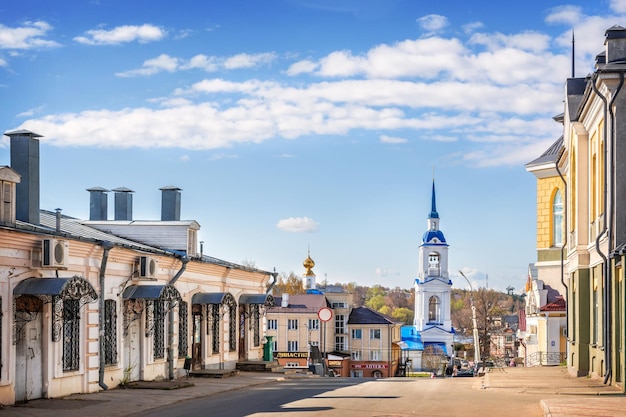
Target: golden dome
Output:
[(308, 264)]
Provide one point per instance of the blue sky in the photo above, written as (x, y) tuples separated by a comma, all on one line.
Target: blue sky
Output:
[(296, 125)]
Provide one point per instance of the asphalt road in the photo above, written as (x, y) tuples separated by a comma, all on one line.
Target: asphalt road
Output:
[(350, 397)]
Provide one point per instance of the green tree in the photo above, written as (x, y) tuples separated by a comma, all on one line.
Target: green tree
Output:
[(403, 314)]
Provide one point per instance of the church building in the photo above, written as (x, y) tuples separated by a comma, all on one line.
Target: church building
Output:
[(432, 332)]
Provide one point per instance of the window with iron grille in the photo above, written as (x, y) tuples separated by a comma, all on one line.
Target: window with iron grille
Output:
[(232, 328), (215, 327), (159, 329), (183, 329), (110, 332), (256, 314), (71, 335)]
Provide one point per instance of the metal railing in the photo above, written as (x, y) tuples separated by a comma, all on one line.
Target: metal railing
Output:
[(546, 358)]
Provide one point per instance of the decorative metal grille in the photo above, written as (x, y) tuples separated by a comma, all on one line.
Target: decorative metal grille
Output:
[(183, 329), (159, 329), (110, 332), (57, 318), (71, 334), (215, 320), (255, 318), (25, 309), (232, 326), (132, 311), (149, 317)]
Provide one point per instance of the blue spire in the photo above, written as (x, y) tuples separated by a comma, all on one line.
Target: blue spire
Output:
[(433, 210)]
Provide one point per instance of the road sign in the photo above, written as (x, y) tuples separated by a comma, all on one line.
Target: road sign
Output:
[(325, 314)]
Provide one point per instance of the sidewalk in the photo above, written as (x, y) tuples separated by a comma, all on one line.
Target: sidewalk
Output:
[(561, 395), (118, 402)]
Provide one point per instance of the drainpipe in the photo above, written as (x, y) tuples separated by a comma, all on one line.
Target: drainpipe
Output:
[(608, 219), (274, 281), (106, 246), (565, 240), (170, 321)]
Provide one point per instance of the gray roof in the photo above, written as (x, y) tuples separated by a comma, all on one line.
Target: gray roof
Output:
[(551, 155)]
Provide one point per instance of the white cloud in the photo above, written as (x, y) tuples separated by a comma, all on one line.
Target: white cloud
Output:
[(163, 62), (618, 6), (392, 140), (433, 22), (31, 112), (298, 225), (28, 36), (168, 63), (302, 67), (122, 34), (248, 60)]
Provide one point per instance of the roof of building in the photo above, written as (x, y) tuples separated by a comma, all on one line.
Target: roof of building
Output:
[(556, 305), (309, 302), (365, 315), (551, 155)]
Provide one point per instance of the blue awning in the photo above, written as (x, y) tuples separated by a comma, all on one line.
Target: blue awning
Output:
[(209, 297), (151, 292), (67, 288), (264, 299)]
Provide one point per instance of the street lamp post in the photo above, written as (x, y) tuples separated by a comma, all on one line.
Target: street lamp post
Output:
[(476, 346)]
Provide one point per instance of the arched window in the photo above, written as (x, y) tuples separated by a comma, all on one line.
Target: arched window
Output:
[(433, 264), (557, 219), (434, 310)]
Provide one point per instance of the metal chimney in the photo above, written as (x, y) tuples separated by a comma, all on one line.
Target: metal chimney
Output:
[(123, 203), (25, 161), (98, 203), (170, 203)]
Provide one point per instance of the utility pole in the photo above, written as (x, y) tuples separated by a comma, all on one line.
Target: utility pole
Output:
[(476, 346)]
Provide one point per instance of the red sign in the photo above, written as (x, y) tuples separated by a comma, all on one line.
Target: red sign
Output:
[(369, 366)]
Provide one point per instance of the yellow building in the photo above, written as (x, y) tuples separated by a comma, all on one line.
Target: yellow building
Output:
[(590, 165)]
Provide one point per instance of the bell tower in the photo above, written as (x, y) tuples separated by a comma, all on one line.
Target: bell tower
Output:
[(433, 286)]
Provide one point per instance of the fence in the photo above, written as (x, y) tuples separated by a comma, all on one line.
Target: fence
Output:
[(546, 358)]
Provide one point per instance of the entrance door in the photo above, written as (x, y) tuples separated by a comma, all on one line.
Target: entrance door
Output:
[(132, 346), (29, 361), (196, 347)]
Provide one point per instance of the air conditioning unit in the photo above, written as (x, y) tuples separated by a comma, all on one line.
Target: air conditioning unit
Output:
[(54, 253), (147, 267)]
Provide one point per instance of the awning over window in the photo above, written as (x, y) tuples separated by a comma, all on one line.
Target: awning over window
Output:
[(75, 288), (264, 299), (213, 298), (151, 292)]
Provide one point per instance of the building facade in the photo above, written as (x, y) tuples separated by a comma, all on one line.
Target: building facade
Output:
[(591, 167), (91, 304)]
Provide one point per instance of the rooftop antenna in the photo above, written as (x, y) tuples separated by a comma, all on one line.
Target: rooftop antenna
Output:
[(573, 54)]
